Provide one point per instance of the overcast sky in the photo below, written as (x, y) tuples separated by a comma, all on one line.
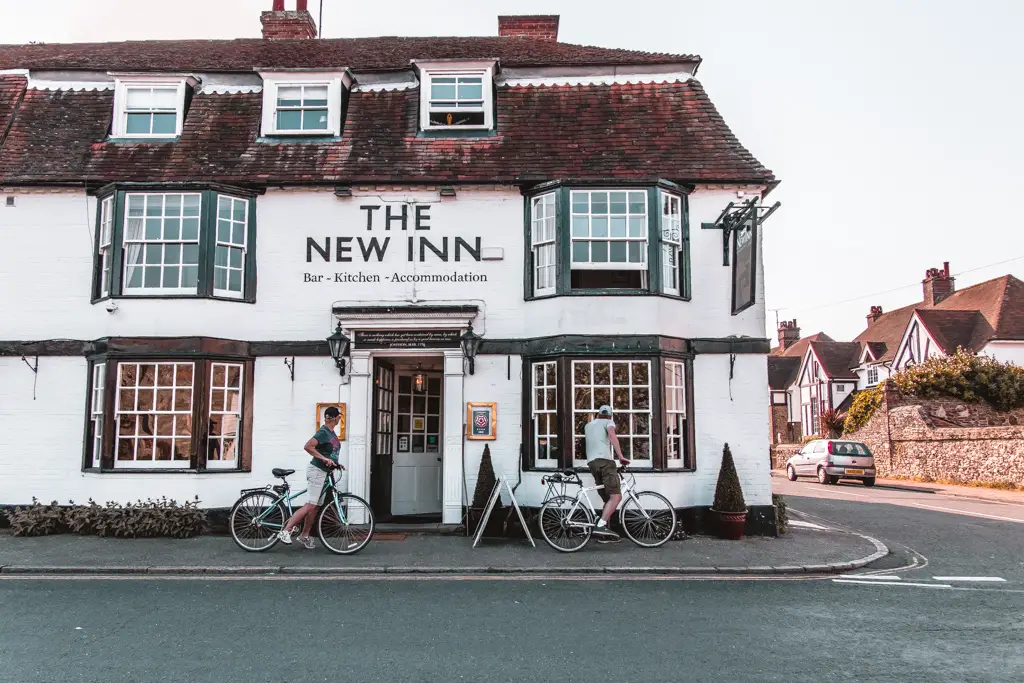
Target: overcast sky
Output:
[(893, 125)]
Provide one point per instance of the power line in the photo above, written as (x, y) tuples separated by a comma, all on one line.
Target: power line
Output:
[(894, 289)]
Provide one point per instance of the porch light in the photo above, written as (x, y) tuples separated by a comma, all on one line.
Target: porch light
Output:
[(418, 382), (470, 345), (447, 191), (339, 344)]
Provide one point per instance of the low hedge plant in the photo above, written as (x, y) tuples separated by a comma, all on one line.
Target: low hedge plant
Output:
[(142, 519)]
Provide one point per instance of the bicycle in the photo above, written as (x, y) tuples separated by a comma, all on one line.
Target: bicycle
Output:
[(566, 523), (344, 523)]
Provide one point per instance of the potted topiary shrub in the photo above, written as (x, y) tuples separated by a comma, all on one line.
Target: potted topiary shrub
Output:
[(729, 510), (485, 482)]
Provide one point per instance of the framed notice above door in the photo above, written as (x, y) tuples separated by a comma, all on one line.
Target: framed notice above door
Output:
[(482, 421)]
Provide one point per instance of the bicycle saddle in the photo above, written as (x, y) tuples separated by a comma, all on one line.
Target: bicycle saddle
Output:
[(278, 472), (569, 472)]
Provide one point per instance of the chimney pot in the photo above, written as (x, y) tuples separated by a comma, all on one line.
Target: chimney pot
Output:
[(789, 333), (938, 285), (875, 314), (538, 27)]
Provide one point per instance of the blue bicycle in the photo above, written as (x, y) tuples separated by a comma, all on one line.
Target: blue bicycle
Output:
[(344, 522)]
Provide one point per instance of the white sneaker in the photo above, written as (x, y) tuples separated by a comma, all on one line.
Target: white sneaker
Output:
[(307, 542), (285, 536)]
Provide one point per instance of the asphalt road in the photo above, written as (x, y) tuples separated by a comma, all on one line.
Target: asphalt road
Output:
[(531, 631), (892, 622)]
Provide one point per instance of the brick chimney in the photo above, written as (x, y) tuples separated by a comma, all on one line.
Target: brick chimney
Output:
[(938, 284), (875, 314), (789, 333), (537, 26), (281, 23)]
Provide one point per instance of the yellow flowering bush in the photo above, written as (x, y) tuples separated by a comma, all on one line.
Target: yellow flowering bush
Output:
[(967, 377), (863, 407)]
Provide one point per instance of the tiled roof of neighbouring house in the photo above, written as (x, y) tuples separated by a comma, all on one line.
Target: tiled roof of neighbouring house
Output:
[(389, 53), (628, 131), (782, 371), (970, 317), (837, 358), (799, 347)]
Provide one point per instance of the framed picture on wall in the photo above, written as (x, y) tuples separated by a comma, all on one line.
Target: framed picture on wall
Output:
[(482, 421), (340, 429)]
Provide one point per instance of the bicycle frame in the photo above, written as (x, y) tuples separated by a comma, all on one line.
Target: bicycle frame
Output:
[(627, 494), (287, 500)]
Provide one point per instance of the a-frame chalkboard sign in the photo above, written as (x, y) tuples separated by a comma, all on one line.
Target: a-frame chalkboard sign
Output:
[(491, 502)]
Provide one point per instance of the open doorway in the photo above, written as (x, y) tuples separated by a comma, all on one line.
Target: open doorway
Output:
[(406, 459)]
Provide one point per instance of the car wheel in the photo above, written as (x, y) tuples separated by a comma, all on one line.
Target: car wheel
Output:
[(869, 482), (824, 478), (790, 473)]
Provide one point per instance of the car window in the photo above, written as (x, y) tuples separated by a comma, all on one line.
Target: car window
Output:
[(819, 447), (852, 448)]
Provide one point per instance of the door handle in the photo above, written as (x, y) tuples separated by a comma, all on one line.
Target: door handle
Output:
[(439, 459)]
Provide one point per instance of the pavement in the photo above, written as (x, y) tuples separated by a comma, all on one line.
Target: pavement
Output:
[(803, 550)]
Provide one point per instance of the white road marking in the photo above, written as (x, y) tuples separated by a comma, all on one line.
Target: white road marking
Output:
[(893, 583), (989, 579), (968, 513), (806, 525), (873, 577)]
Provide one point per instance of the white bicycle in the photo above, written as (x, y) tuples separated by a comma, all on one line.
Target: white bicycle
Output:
[(567, 522)]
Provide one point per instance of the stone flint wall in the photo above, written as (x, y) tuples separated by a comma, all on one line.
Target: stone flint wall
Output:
[(919, 438)]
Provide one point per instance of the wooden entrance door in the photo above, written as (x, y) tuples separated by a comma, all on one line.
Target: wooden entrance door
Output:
[(383, 436), (416, 475)]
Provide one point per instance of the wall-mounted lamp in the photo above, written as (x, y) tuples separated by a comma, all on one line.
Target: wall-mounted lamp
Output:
[(419, 382), (470, 345), (342, 191), (339, 345), (447, 191)]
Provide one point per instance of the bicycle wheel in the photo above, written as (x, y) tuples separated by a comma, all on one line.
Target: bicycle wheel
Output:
[(347, 529), (255, 520), (648, 519), (557, 520)]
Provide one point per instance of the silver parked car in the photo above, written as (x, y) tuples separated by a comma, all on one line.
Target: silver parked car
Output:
[(831, 460)]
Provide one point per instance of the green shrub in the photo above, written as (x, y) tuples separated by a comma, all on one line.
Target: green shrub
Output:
[(864, 405), (781, 513), (832, 423), (728, 492), (149, 519), (967, 377)]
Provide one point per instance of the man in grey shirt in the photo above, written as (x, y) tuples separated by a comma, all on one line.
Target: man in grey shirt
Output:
[(601, 443)]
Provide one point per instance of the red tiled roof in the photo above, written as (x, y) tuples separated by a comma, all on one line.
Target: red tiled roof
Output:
[(954, 329), (358, 54), (877, 349), (797, 349), (639, 131), (998, 302), (11, 90), (837, 358)]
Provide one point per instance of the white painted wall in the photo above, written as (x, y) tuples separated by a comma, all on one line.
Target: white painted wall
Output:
[(1006, 351), (840, 396), (46, 261)]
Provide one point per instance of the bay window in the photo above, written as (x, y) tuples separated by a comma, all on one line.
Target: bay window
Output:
[(168, 413), (608, 240), (190, 243), (649, 399)]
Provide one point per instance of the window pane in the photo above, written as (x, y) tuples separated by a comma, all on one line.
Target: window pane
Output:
[(164, 124), (636, 252), (580, 226), (315, 96), (618, 202), (138, 124), (618, 251), (235, 281), (314, 119), (637, 202), (471, 91), (581, 252), (191, 206), (442, 89), (580, 202), (637, 227), (165, 98), (172, 229), (598, 252), (238, 210), (289, 120), (289, 96), (598, 202), (138, 98), (618, 226), (190, 229), (599, 227)]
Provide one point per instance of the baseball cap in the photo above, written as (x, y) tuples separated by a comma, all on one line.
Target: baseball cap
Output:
[(332, 412), (605, 410)]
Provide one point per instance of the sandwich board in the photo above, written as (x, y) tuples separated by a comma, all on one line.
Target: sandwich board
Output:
[(492, 501)]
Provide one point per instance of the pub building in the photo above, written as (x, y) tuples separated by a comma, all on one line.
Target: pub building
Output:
[(461, 242)]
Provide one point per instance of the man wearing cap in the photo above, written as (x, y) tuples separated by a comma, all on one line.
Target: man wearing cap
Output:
[(324, 447), (601, 443)]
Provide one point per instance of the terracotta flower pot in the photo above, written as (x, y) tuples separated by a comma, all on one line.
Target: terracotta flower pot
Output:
[(729, 525)]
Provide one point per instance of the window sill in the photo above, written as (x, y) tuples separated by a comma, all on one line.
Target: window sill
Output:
[(134, 140), (161, 470), (304, 137), (461, 132), (159, 297), (608, 292)]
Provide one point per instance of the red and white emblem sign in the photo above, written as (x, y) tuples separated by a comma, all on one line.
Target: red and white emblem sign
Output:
[(481, 420)]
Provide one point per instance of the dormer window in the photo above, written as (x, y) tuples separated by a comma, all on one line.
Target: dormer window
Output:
[(303, 104), (456, 95), (148, 106)]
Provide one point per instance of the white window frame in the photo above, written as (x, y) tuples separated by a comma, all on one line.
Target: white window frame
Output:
[(429, 70), (641, 265), (230, 244), (99, 378), (671, 242), (543, 231), (225, 389), (335, 81), (674, 405), (105, 244), (549, 409), (120, 410), (872, 369), (126, 288), (123, 83), (591, 411)]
